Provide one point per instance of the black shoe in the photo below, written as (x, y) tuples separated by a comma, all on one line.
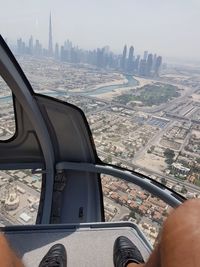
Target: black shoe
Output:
[(55, 257), (125, 252)]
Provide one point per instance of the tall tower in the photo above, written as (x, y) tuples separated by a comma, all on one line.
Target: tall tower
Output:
[(30, 46), (145, 55), (50, 50), (149, 65), (123, 59), (130, 59), (158, 65)]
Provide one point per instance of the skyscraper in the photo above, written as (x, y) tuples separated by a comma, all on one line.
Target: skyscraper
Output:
[(50, 50), (123, 60), (154, 61), (100, 57), (19, 46), (136, 63), (38, 48), (57, 51), (30, 45), (142, 67), (149, 65), (145, 55), (158, 65), (130, 59)]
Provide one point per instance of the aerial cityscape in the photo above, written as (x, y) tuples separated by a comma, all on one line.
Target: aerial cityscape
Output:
[(144, 116), (147, 65)]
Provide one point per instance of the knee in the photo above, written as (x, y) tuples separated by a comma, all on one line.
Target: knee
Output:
[(185, 218), (189, 210)]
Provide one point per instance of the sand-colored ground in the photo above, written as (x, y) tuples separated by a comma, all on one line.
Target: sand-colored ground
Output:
[(113, 93), (174, 75), (152, 162), (197, 133), (143, 81), (196, 97), (119, 91), (95, 87)]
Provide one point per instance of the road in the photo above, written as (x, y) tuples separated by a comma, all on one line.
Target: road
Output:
[(190, 187), (121, 210), (152, 142)]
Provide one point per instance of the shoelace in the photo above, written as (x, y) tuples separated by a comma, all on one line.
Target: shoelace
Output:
[(51, 262), (127, 252)]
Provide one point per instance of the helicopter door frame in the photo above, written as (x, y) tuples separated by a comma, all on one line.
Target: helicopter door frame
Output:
[(13, 75)]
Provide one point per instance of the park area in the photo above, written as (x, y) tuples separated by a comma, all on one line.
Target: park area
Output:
[(150, 94)]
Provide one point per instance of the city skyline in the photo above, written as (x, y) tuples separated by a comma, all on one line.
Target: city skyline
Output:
[(53, 45), (149, 65), (169, 28)]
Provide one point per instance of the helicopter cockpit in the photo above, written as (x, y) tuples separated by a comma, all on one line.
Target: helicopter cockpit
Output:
[(53, 139)]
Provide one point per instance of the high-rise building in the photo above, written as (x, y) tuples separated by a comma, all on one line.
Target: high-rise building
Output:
[(67, 45), (123, 60), (50, 49), (149, 65), (154, 61), (100, 58), (57, 51), (38, 48), (158, 65), (30, 45), (142, 67), (136, 64), (130, 66), (74, 55), (145, 55), (19, 46)]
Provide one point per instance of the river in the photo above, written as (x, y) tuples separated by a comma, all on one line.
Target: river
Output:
[(110, 88), (100, 90)]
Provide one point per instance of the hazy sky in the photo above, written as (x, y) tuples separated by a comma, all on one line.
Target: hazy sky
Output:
[(168, 27)]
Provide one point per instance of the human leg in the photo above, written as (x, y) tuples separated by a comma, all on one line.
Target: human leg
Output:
[(180, 238), (56, 256), (8, 258), (179, 243)]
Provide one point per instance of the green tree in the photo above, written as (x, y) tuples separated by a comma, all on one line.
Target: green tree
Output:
[(109, 159), (132, 214), (169, 153), (184, 190), (169, 156), (163, 181), (169, 161)]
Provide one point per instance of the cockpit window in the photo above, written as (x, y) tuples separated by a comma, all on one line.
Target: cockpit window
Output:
[(7, 118), (146, 123), (139, 88), (125, 201), (20, 196)]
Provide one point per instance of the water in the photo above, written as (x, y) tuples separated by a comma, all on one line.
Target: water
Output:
[(6, 99), (98, 91), (110, 88)]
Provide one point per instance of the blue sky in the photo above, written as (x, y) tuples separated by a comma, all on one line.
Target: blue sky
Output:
[(167, 27)]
